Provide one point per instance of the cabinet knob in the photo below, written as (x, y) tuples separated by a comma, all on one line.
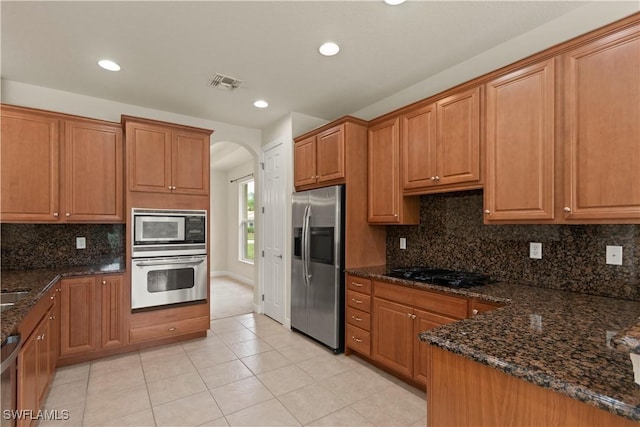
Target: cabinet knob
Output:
[(52, 317), (413, 316), (433, 178), (567, 209), (475, 311), (67, 214), (173, 328), (55, 214), (52, 297), (437, 178), (104, 282), (409, 315), (487, 211)]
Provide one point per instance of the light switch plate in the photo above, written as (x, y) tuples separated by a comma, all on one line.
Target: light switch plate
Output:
[(403, 243), (81, 242), (614, 255)]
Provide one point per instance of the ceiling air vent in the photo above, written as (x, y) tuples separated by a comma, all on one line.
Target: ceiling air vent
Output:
[(224, 82)]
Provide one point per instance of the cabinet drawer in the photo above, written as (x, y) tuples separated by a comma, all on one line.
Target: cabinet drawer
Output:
[(359, 284), (169, 329), (358, 340), (359, 301), (359, 318), (451, 306)]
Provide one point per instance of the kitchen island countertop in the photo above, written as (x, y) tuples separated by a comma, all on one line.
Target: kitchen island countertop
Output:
[(564, 341), (37, 283)]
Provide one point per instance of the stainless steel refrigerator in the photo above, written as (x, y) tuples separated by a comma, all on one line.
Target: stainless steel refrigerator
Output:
[(317, 279)]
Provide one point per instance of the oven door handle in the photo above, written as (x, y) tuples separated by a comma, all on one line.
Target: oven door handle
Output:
[(166, 262)]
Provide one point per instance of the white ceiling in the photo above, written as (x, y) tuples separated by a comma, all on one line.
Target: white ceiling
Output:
[(169, 50)]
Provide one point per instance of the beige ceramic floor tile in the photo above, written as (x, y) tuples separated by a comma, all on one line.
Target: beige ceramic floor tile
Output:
[(283, 339), (68, 416), (109, 365), (70, 374), (158, 369), (324, 366), (345, 417), (249, 348), (220, 422), (175, 388), (102, 408), (206, 357), (67, 395), (240, 394), (222, 326), (311, 403), (139, 419), (188, 411), (263, 329), (208, 342), (118, 380), (392, 406), (224, 373), (163, 352), (302, 350), (352, 386), (269, 413), (264, 362), (234, 337), (285, 379)]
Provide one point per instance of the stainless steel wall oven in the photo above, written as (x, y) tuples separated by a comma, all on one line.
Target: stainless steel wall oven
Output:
[(169, 257)]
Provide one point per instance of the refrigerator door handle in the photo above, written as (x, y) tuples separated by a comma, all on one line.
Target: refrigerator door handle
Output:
[(307, 246), (304, 246)]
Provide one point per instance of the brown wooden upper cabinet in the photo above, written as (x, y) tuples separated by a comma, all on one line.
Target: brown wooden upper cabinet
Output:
[(579, 165), (166, 158), (58, 168), (319, 160), (386, 204), (602, 129), (520, 144), (441, 145)]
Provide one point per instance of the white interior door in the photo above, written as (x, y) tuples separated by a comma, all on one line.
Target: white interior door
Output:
[(274, 233)]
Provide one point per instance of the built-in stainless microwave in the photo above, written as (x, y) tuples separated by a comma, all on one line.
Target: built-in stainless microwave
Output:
[(168, 232)]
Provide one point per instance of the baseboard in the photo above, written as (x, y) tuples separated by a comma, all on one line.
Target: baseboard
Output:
[(233, 276), (257, 308)]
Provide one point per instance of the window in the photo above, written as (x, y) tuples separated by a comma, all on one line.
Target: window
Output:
[(247, 231)]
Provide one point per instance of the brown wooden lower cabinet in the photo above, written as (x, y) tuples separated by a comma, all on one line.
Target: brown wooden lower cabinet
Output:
[(461, 392), (93, 314)]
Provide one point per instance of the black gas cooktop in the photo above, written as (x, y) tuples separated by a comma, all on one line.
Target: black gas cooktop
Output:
[(437, 276)]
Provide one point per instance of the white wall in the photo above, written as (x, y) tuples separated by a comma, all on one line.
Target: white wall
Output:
[(219, 222), (579, 21), (236, 268)]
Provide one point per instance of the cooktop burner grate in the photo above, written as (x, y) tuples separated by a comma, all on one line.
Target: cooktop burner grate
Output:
[(442, 277)]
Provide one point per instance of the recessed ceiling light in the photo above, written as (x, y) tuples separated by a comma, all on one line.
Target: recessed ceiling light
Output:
[(394, 2), (261, 103), (329, 49), (108, 64)]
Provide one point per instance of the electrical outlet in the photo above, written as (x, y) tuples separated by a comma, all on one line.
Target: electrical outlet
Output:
[(81, 242), (403, 243), (614, 255), (535, 250)]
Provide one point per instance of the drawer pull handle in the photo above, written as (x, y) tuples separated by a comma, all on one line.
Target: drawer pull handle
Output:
[(357, 284), (173, 328), (357, 319), (356, 339), (357, 301)]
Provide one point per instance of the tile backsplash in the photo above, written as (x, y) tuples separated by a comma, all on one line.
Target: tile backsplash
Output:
[(32, 246), (451, 235)]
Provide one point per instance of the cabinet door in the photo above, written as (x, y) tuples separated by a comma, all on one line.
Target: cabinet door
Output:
[(602, 128), (520, 145), (384, 172), (418, 144), (393, 336), (190, 162), (93, 172), (54, 328), (29, 169), (330, 154), (78, 329), (304, 153), (28, 395), (148, 157), (458, 138), (113, 311), (424, 321)]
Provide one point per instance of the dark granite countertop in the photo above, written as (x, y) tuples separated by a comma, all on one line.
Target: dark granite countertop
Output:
[(558, 340), (37, 283)]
